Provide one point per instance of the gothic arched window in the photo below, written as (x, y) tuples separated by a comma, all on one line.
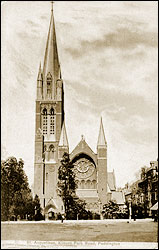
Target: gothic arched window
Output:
[(82, 184), (49, 81), (52, 151), (51, 111), (88, 184), (51, 148), (44, 121), (52, 121), (79, 184), (94, 184)]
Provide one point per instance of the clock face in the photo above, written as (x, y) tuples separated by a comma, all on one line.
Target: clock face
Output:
[(83, 168)]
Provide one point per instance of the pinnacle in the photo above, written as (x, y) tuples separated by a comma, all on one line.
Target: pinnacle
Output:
[(39, 73), (63, 138), (101, 137)]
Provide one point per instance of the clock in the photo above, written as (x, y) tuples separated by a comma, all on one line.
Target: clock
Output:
[(83, 168)]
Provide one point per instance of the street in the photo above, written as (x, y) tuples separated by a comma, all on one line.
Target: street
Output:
[(104, 230)]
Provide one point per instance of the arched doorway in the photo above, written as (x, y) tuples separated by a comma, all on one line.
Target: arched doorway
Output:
[(51, 211), (51, 214)]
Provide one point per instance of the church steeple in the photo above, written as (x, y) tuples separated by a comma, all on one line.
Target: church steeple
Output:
[(101, 137), (51, 66)]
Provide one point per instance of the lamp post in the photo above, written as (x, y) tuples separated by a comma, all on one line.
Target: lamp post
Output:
[(100, 203), (76, 209), (130, 209), (142, 202), (35, 213)]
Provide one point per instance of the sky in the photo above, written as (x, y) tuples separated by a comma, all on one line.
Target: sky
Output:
[(108, 56)]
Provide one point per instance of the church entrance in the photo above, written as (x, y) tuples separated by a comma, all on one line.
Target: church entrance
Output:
[(51, 210), (51, 215)]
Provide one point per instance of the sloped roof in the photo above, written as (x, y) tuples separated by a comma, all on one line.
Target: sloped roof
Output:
[(118, 196), (51, 203), (128, 192), (83, 147), (111, 181), (155, 207)]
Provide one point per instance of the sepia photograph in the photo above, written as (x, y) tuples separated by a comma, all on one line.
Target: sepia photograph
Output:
[(79, 124)]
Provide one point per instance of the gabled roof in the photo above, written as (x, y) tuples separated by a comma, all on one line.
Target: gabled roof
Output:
[(154, 207), (63, 138), (83, 147), (118, 196), (51, 204), (111, 181), (128, 192), (101, 137)]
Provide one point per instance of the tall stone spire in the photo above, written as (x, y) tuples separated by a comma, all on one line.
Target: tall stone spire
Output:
[(51, 61), (101, 137), (63, 138)]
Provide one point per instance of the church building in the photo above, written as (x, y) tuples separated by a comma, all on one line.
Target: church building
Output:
[(94, 181)]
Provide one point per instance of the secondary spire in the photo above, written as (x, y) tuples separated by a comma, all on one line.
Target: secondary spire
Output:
[(101, 137), (63, 138), (39, 73)]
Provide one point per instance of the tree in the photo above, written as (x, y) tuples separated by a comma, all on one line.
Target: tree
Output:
[(37, 207), (16, 196), (78, 210), (74, 207), (110, 209), (66, 184)]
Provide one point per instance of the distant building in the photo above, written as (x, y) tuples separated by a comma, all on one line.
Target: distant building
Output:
[(149, 186), (113, 194), (143, 193)]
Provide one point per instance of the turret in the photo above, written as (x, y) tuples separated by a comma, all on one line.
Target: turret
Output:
[(39, 84)]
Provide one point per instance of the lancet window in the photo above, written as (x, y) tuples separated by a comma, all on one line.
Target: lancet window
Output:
[(52, 121), (45, 121), (94, 184), (49, 81), (52, 151)]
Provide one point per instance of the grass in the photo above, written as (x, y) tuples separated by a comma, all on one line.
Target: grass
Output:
[(120, 231)]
